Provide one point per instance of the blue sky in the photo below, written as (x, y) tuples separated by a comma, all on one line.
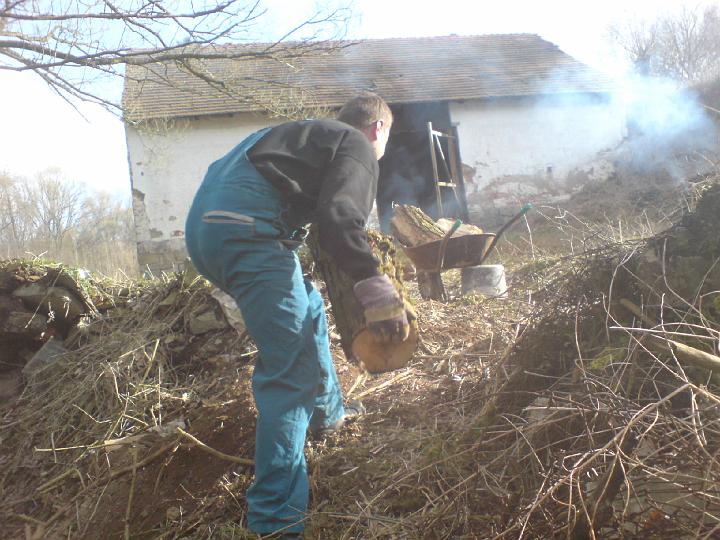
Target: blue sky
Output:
[(41, 130)]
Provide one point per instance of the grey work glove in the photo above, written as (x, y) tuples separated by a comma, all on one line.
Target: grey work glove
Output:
[(385, 312)]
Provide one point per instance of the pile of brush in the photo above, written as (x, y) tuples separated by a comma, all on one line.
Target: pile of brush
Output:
[(585, 404), (598, 418), (110, 375)]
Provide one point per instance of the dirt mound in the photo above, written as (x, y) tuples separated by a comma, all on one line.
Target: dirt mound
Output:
[(574, 407)]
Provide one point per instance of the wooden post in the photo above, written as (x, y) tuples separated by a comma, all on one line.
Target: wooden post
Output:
[(456, 171), (436, 178), (431, 286)]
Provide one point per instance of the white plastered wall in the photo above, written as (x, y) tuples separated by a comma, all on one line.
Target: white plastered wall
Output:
[(509, 145), (167, 164), (547, 138)]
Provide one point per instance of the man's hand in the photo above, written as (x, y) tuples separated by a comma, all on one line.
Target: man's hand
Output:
[(385, 312)]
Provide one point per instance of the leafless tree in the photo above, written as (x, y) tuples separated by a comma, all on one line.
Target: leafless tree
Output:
[(5, 202), (684, 46), (63, 41), (104, 220), (64, 222), (16, 216), (57, 206), (639, 40)]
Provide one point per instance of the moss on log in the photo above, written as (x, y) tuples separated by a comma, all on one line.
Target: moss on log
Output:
[(411, 226), (356, 340)]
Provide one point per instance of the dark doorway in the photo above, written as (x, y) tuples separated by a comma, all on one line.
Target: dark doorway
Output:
[(406, 171)]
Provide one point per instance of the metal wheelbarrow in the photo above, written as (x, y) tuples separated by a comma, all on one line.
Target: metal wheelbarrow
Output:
[(459, 251), (450, 252)]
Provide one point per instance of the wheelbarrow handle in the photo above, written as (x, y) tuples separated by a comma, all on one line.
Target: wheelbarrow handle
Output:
[(524, 210), (443, 244)]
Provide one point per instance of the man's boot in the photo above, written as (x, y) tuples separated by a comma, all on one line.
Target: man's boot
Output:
[(353, 410)]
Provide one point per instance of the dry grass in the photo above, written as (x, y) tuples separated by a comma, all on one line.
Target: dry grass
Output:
[(125, 384), (549, 414)]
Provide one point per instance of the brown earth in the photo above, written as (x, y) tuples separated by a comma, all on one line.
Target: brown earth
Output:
[(503, 422)]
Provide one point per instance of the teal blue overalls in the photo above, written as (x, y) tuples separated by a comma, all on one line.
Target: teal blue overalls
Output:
[(237, 239)]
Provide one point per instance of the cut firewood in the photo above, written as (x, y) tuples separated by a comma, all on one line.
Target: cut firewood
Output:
[(466, 228), (357, 341), (379, 357), (412, 227)]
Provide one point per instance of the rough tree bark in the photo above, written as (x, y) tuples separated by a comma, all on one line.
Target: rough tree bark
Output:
[(412, 227), (357, 341)]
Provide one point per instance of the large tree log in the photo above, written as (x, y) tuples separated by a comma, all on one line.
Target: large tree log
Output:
[(357, 341), (412, 227)]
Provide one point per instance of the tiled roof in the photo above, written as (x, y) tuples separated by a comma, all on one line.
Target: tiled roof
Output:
[(402, 70)]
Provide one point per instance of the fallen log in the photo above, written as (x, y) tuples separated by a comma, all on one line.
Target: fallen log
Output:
[(357, 341)]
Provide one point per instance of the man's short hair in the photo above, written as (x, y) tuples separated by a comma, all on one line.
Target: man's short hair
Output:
[(364, 109)]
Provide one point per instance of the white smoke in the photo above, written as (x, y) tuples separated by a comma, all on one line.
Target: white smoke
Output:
[(665, 130), (666, 126)]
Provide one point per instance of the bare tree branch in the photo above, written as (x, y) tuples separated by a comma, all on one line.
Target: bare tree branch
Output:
[(685, 46), (62, 41)]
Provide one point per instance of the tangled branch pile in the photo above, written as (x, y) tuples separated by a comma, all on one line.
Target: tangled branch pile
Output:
[(584, 405)]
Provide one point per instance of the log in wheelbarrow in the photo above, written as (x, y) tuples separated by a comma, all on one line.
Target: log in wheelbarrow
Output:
[(432, 258)]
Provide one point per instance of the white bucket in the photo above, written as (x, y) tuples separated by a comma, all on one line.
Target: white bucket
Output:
[(486, 279)]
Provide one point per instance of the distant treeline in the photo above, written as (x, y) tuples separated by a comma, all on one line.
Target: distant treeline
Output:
[(59, 220)]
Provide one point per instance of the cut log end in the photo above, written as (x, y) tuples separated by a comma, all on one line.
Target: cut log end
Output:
[(381, 357)]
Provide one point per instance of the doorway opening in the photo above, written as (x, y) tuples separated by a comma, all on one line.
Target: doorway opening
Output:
[(421, 164)]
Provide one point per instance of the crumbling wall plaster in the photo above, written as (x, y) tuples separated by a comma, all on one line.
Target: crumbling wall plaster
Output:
[(167, 163), (515, 151)]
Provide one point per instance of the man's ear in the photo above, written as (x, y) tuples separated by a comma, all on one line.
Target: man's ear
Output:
[(372, 131), (377, 127)]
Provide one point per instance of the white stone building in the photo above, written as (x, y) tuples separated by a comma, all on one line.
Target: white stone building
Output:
[(523, 116)]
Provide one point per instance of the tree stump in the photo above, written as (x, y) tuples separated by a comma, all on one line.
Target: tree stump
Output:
[(357, 341)]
